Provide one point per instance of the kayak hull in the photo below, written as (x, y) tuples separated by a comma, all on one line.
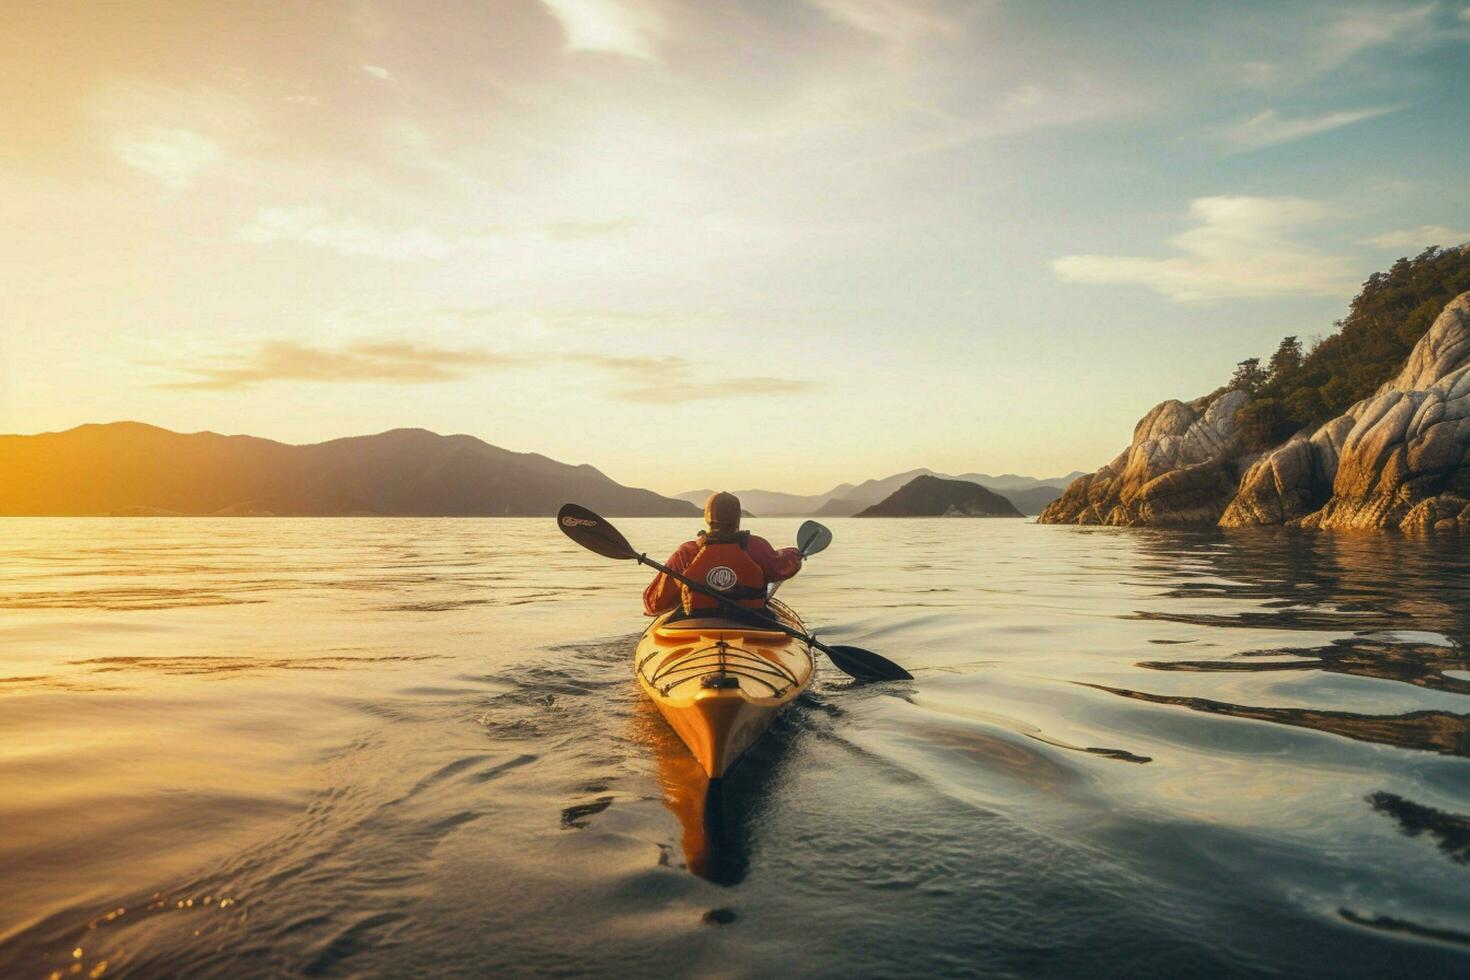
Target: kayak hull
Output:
[(720, 683)]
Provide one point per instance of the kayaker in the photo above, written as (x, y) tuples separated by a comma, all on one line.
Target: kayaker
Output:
[(734, 562)]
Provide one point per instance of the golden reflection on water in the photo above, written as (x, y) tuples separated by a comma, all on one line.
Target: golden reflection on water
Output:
[(685, 790), (174, 694)]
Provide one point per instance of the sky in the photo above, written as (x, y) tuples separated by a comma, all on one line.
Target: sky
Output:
[(781, 244)]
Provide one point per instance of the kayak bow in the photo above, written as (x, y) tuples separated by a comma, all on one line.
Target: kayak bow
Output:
[(720, 683)]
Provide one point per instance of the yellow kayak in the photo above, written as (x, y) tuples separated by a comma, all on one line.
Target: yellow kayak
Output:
[(719, 682)]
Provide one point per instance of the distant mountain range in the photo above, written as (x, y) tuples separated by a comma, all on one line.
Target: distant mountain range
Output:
[(129, 468), (1028, 493)]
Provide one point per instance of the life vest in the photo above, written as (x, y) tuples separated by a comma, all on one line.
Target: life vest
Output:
[(724, 567)]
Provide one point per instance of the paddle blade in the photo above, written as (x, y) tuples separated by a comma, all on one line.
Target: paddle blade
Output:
[(865, 665), (593, 533), (812, 537)]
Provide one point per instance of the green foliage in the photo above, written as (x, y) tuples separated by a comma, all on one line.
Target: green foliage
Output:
[(1249, 376), (1287, 360), (1395, 308), (1266, 422)]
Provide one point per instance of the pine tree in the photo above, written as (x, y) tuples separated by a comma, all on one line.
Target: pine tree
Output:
[(1249, 376), (1286, 360)]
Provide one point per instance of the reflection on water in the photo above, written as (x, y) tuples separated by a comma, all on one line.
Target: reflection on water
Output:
[(399, 747), (707, 847), (1451, 831), (1404, 599), (1429, 731), (1424, 664)]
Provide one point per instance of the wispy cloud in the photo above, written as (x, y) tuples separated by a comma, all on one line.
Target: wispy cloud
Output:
[(312, 226), (170, 134), (378, 71), (665, 379), (1240, 247), (903, 21), (347, 236), (566, 231), (1361, 28), (173, 156), (1421, 237), (386, 362), (626, 28), (1270, 127), (1349, 34), (656, 379)]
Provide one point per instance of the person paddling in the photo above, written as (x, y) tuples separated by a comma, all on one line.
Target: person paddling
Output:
[(735, 563)]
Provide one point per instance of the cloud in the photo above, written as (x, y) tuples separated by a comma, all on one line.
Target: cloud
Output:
[(346, 236), (1321, 45), (173, 156), (1421, 237), (378, 71), (902, 21), (666, 379), (607, 25), (1023, 98), (660, 379), (1241, 247), (385, 362), (1270, 128), (1362, 28), (567, 231), (171, 134), (312, 226)]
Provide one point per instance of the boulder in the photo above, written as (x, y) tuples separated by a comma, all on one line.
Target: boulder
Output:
[(1442, 351), (1294, 480), (1443, 513), (1180, 469), (1408, 443)]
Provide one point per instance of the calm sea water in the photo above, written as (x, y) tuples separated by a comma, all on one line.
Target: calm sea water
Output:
[(414, 747)]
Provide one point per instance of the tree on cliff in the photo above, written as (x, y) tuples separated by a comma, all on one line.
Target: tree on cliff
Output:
[(1286, 361), (1249, 376), (1384, 322)]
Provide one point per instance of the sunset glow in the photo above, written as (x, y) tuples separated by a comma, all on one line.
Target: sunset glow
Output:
[(554, 225)]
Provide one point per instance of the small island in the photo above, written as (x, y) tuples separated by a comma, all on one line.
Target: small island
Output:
[(931, 496)]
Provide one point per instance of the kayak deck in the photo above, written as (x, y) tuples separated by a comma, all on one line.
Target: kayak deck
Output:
[(721, 683)]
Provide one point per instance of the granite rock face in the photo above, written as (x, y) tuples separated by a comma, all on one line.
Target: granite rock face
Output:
[(1291, 481), (1400, 458), (1179, 470), (1374, 466)]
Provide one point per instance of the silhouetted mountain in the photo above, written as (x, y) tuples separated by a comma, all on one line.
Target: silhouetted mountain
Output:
[(846, 499), (1007, 482), (839, 507), (763, 502), (131, 468), (1033, 501), (930, 496)]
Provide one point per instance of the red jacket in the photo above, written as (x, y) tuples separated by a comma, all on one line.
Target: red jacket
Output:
[(662, 593)]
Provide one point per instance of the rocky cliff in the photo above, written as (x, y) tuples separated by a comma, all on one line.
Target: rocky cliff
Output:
[(1399, 458), (1181, 468)]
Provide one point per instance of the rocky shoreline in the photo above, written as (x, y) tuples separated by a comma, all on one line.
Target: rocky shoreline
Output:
[(1397, 459)]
